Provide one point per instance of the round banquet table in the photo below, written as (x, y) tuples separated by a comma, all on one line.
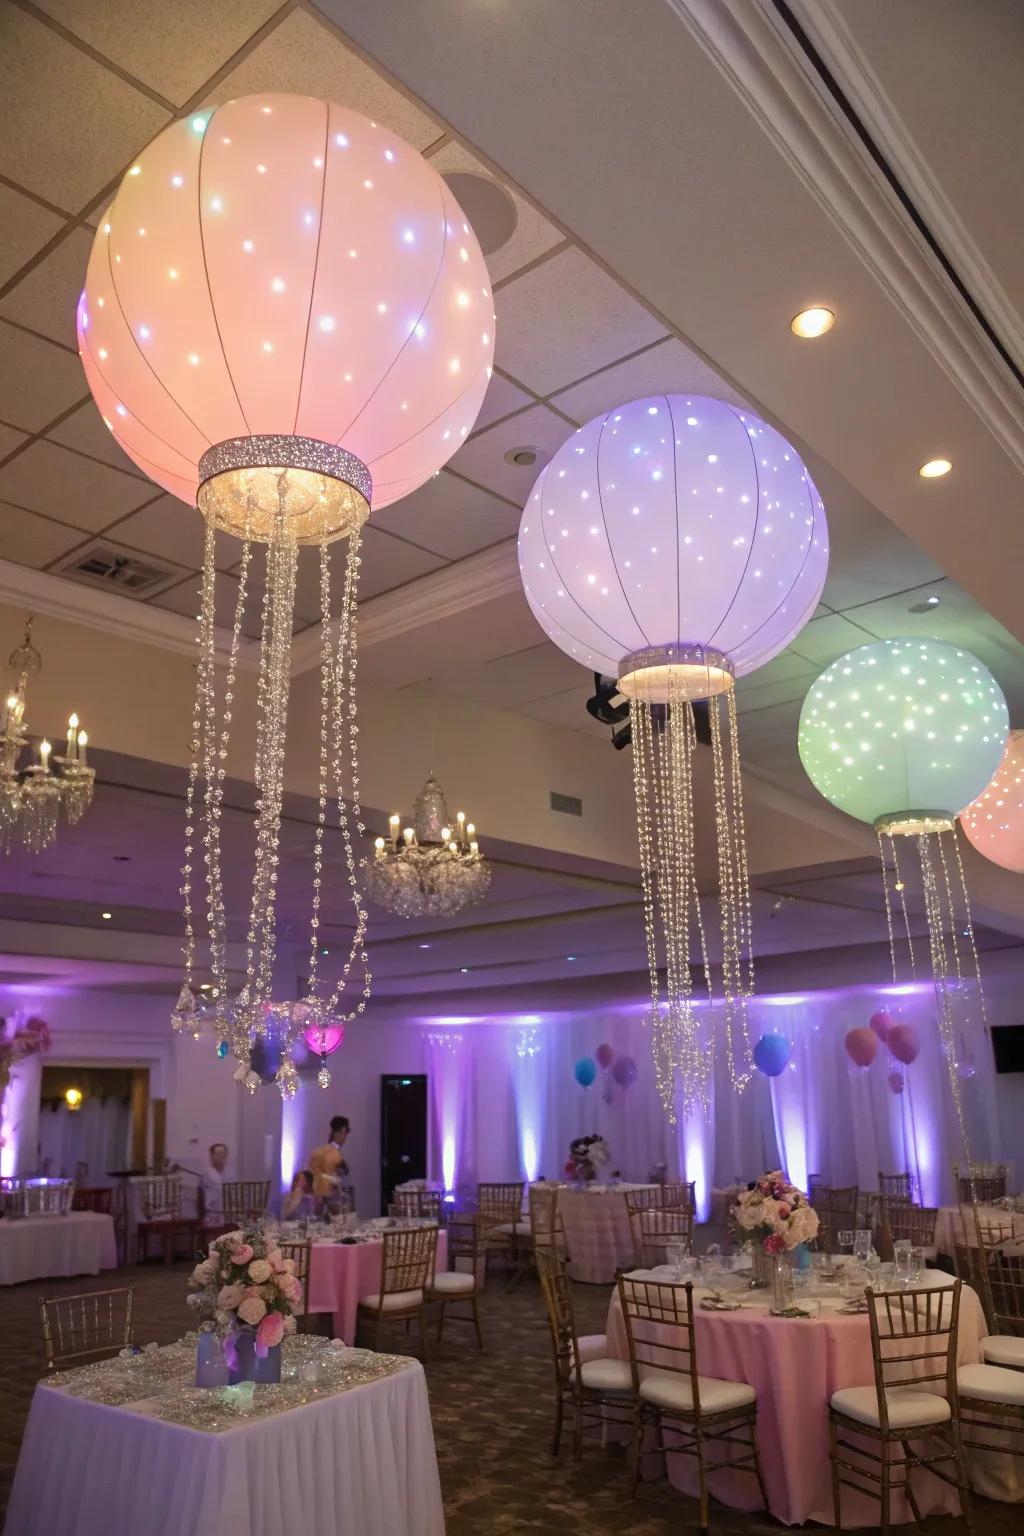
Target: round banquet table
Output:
[(42, 1247), (795, 1365), (341, 1273), (948, 1225), (597, 1233)]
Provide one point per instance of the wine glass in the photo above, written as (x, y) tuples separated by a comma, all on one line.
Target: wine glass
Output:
[(846, 1240)]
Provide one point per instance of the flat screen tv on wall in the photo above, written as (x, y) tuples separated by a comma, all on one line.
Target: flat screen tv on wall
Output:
[(1008, 1047)]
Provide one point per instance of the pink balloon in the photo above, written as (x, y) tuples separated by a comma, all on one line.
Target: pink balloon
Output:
[(881, 1022), (604, 1055), (903, 1043), (861, 1046), (895, 1081)]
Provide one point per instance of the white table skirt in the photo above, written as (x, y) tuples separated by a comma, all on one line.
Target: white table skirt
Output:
[(40, 1247), (361, 1463)]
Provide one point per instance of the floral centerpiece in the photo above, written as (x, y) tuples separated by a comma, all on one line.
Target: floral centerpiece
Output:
[(250, 1292), (586, 1155), (776, 1217)]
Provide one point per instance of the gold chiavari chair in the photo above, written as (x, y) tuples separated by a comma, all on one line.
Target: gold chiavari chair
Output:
[(407, 1261), (977, 1236), (245, 1201), (500, 1208), (901, 1222), (594, 1387), (913, 1399), (78, 1329), (1005, 1305), (462, 1282), (981, 1183), (637, 1201), (160, 1201), (301, 1255), (547, 1229), (657, 1230), (896, 1186), (99, 1200), (424, 1203), (683, 1195), (671, 1393), (838, 1210)]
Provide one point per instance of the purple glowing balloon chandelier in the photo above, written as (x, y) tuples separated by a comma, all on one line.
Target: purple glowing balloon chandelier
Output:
[(677, 543)]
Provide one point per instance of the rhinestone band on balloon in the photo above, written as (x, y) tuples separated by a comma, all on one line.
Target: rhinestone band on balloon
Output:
[(677, 543), (287, 319)]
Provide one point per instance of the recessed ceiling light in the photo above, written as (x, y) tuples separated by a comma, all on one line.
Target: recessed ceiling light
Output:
[(926, 606), (424, 946), (523, 458), (465, 970), (570, 957), (812, 322), (934, 469), (106, 916)]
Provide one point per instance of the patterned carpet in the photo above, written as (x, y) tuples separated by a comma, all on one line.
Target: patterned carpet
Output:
[(492, 1420)]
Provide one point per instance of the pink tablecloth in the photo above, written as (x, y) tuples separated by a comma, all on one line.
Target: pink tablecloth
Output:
[(340, 1273), (948, 1226), (795, 1365), (597, 1232)]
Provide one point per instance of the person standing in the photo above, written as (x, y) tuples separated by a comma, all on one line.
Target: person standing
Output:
[(211, 1185), (328, 1166)]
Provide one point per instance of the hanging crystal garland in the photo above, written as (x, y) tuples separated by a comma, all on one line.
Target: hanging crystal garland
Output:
[(903, 734), (285, 308), (677, 543)]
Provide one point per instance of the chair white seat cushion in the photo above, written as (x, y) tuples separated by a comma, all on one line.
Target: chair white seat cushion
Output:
[(453, 1282), (907, 1406), (394, 1301), (991, 1383), (513, 1229), (673, 1391), (1004, 1349), (593, 1346), (605, 1375)]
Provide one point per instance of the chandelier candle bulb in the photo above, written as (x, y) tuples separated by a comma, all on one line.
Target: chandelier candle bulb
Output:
[(44, 755), (72, 736), (83, 742), (410, 836)]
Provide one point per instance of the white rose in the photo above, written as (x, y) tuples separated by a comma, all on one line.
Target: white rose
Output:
[(253, 1310), (259, 1270)]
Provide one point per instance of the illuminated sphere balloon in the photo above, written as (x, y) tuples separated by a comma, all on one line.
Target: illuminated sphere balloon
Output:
[(674, 529), (903, 733), (280, 267), (994, 822)]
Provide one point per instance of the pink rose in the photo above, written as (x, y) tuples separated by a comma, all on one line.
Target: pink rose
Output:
[(242, 1254), (774, 1244), (270, 1331), (253, 1310), (275, 1261), (230, 1296)]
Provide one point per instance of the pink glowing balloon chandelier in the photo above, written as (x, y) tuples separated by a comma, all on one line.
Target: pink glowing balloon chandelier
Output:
[(677, 543), (286, 319)]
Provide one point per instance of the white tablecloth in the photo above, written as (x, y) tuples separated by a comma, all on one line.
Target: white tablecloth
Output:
[(40, 1247), (597, 1232), (361, 1463)]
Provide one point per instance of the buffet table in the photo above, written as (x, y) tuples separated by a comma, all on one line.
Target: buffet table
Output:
[(43, 1247), (795, 1364), (341, 1273), (130, 1445), (597, 1233)]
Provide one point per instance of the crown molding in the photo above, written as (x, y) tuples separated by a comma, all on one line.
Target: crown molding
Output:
[(764, 64), (468, 583), (124, 617)]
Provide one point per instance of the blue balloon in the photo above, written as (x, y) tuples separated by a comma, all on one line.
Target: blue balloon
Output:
[(222, 1049), (771, 1054), (585, 1071)]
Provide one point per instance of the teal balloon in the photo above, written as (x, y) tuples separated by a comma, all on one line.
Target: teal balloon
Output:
[(222, 1049), (771, 1055), (585, 1071)]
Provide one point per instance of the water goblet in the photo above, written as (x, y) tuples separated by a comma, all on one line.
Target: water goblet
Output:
[(917, 1264), (845, 1238), (862, 1244)]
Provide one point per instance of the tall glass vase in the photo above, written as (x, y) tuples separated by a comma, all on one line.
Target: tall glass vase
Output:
[(783, 1292)]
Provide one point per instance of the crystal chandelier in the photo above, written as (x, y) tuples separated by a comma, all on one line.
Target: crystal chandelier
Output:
[(431, 868), (32, 797), (676, 544), (286, 316)]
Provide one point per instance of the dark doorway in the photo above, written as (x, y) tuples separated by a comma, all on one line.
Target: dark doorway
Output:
[(403, 1132)]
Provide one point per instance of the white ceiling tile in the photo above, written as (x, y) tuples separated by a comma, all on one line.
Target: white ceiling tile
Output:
[(823, 641), (46, 298), (565, 319), (780, 669), (502, 398), (482, 458), (53, 480), (69, 124), (171, 530), (533, 234), (768, 695), (84, 430), (539, 672), (302, 55), (449, 517), (439, 649), (37, 380), (390, 562), (569, 709), (171, 48), (185, 598), (668, 368), (30, 540), (25, 226), (9, 440)]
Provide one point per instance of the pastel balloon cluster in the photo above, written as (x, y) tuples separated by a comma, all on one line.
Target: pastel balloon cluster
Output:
[(623, 1068), (901, 1040)]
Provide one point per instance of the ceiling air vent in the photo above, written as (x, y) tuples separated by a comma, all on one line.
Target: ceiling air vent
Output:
[(568, 805), (118, 570)]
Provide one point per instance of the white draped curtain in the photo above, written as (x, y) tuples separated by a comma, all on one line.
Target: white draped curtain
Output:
[(95, 1135)]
